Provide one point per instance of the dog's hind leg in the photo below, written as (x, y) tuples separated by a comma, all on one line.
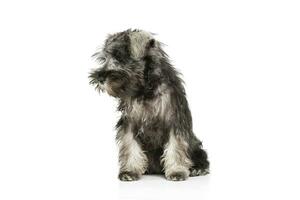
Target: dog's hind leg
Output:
[(199, 158), (132, 159)]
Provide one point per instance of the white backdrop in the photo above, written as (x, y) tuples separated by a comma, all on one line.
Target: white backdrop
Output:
[(240, 62)]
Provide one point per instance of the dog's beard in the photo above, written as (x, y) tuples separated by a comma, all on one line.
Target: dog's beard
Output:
[(110, 88), (102, 88)]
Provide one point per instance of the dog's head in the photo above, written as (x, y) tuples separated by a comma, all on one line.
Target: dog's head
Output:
[(122, 63)]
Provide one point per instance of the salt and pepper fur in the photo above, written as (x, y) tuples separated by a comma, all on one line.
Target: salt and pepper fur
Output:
[(155, 133)]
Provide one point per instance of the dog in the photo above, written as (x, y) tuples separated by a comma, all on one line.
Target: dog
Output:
[(154, 132)]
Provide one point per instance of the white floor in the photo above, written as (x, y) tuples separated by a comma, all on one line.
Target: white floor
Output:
[(155, 187)]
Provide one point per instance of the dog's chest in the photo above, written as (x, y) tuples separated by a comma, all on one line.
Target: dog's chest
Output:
[(140, 111)]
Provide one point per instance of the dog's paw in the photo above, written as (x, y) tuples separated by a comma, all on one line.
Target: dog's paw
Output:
[(128, 176), (198, 172), (177, 176)]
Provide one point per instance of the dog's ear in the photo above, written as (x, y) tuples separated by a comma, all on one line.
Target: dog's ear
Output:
[(151, 44)]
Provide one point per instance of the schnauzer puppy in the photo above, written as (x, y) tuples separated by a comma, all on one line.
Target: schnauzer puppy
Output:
[(155, 133)]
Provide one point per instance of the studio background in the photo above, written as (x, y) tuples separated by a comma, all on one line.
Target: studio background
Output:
[(240, 62)]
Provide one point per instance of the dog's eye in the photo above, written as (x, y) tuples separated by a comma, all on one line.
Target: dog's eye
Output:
[(100, 57), (102, 60)]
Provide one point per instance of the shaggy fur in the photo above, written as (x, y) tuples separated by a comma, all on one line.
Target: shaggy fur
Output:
[(155, 133)]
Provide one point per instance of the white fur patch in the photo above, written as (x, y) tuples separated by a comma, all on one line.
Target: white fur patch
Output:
[(139, 40)]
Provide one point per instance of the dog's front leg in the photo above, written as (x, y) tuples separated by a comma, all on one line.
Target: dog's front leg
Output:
[(175, 158), (132, 159)]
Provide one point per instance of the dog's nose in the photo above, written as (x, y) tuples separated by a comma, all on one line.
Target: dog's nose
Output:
[(101, 79)]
